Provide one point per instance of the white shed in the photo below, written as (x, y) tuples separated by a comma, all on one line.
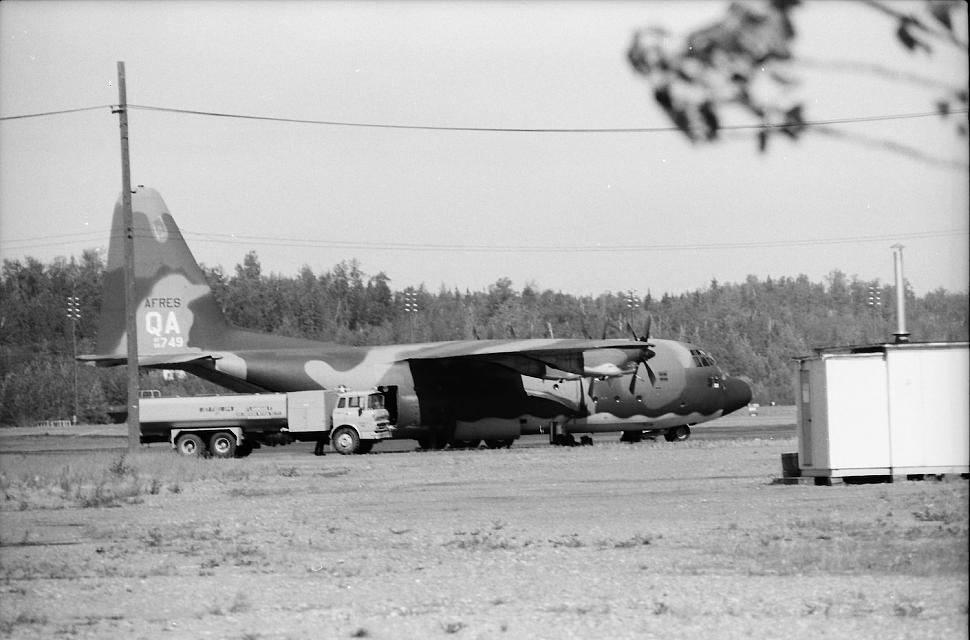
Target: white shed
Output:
[(886, 409)]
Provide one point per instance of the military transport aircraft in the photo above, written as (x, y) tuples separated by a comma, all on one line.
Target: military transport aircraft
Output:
[(458, 393)]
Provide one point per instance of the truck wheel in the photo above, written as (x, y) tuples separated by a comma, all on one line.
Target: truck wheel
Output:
[(222, 444), (189, 444), (677, 434), (345, 441)]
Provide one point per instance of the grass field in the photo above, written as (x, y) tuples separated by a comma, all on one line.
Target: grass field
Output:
[(619, 541)]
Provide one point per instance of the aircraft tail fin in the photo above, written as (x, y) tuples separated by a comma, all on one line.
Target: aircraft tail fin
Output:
[(178, 319)]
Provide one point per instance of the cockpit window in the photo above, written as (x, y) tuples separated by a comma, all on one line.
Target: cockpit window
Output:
[(701, 359)]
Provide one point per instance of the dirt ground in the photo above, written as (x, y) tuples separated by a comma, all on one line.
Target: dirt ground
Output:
[(653, 540)]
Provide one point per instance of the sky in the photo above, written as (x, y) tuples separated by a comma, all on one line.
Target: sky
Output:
[(582, 213)]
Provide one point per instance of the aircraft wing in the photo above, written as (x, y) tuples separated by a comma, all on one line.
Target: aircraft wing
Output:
[(547, 359)]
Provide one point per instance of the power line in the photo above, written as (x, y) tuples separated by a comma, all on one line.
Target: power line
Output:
[(379, 125), (48, 238), (376, 125), (592, 248), (53, 240), (55, 113), (235, 239)]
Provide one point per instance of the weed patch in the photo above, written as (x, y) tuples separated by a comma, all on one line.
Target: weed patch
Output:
[(239, 604), (571, 541), (103, 479), (834, 546), (23, 619), (639, 540), (481, 541)]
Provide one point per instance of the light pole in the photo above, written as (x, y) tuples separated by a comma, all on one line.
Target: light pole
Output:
[(411, 307), (632, 302), (874, 302), (74, 314)]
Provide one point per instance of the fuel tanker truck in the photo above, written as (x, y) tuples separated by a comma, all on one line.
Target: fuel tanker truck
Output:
[(232, 425)]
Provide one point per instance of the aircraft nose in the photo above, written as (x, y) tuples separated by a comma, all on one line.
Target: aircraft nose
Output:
[(737, 394)]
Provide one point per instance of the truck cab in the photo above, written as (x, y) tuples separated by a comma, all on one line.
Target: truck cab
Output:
[(359, 420)]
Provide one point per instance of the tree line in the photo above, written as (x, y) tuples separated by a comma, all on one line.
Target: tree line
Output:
[(754, 328)]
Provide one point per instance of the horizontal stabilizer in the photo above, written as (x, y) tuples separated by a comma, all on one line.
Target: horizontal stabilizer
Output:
[(156, 360)]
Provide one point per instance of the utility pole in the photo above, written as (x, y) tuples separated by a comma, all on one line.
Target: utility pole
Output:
[(131, 328)]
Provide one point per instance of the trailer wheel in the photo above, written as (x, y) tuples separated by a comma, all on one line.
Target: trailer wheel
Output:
[(498, 444), (677, 434), (189, 444), (222, 444), (345, 441)]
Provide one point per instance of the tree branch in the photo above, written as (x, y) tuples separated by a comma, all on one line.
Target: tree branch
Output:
[(876, 70), (886, 144), (945, 35)]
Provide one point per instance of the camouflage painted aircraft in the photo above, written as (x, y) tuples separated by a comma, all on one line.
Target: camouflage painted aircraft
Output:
[(457, 393)]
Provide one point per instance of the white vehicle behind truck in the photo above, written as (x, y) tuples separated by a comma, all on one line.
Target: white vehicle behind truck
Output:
[(227, 426)]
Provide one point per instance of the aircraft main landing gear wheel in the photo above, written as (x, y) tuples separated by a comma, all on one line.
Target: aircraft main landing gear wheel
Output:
[(222, 444), (432, 442), (565, 440), (189, 444), (345, 441), (677, 434)]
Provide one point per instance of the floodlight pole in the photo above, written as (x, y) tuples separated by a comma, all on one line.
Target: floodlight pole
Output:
[(74, 314), (131, 329)]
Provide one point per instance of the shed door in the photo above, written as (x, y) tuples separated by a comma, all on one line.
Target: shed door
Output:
[(805, 413)]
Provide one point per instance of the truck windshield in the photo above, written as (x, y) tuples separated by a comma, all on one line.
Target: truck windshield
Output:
[(375, 401)]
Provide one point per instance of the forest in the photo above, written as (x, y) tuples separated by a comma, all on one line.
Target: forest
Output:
[(49, 313)]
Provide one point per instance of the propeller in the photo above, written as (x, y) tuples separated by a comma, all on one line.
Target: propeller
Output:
[(645, 355), (646, 330)]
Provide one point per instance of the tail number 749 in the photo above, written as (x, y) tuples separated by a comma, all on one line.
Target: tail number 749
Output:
[(165, 332)]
